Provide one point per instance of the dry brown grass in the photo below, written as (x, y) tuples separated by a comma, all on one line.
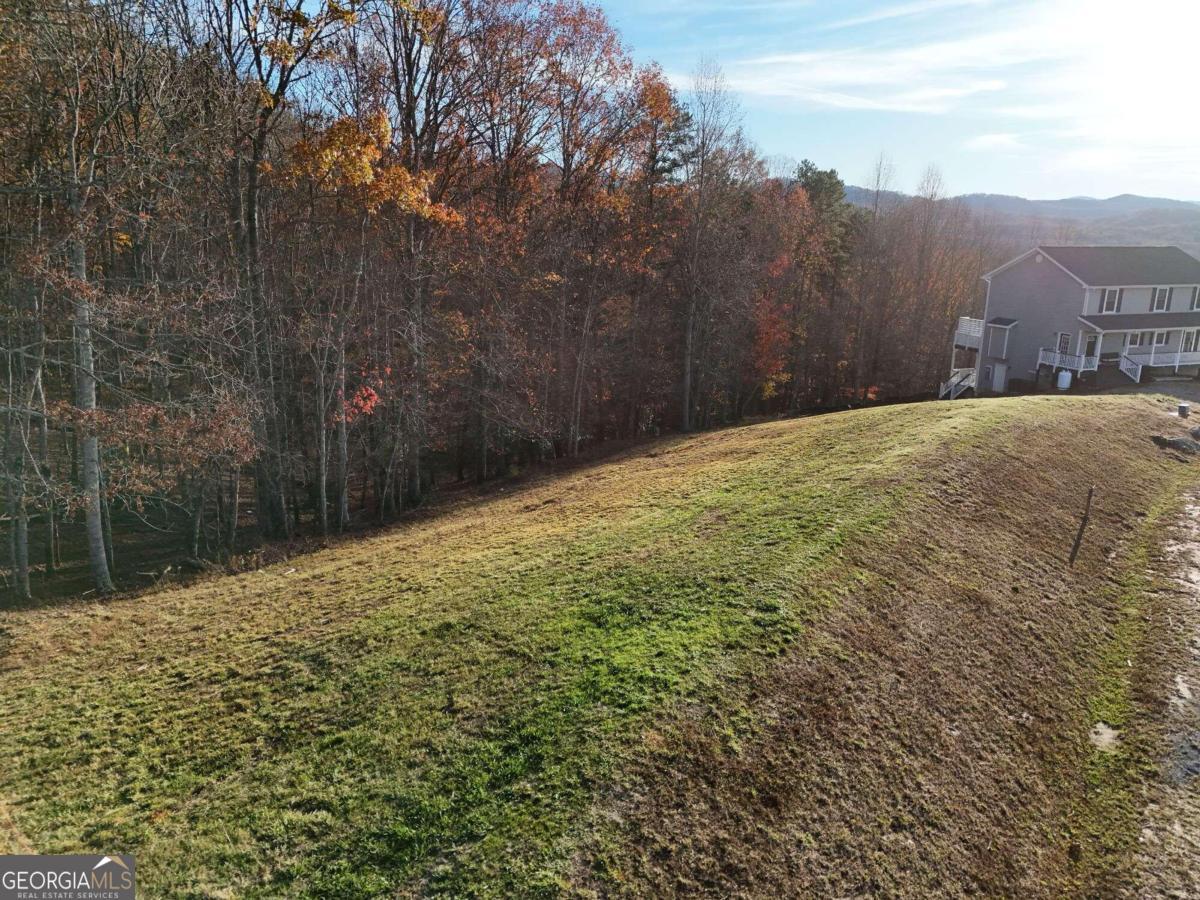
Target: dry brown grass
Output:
[(930, 737), (808, 657)]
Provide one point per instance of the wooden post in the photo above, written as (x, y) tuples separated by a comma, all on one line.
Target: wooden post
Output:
[(1087, 514)]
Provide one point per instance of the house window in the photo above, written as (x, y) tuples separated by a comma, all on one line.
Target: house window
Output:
[(1160, 338), (1189, 341), (1110, 300), (1161, 300), (997, 342), (1138, 339), (1195, 298), (1063, 343)]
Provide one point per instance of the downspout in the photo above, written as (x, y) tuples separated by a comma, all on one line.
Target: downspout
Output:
[(983, 339)]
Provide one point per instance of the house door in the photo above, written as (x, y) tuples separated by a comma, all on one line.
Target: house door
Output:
[(999, 377), (1089, 347), (1063, 345)]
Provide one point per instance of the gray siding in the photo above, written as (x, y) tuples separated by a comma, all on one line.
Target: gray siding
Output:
[(1112, 343), (1044, 300)]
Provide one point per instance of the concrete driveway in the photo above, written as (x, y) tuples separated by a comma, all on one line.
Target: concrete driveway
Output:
[(1188, 390)]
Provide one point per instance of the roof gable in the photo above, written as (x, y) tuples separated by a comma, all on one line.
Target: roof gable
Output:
[(1024, 256), (1127, 266)]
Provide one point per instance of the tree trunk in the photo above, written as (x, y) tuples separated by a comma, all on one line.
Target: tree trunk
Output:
[(322, 455), (21, 555), (106, 520), (47, 473), (689, 332), (343, 445), (18, 538), (232, 510), (269, 473), (416, 421), (481, 448), (197, 524), (89, 443)]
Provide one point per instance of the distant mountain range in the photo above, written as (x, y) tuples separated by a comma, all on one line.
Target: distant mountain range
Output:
[(1124, 219)]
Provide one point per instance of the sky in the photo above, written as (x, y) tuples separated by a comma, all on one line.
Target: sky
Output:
[(1039, 98)]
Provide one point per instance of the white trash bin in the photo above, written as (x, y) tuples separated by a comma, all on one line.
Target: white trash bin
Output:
[(1064, 380)]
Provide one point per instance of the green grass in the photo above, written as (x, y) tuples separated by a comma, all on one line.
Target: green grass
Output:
[(1106, 816), (437, 709)]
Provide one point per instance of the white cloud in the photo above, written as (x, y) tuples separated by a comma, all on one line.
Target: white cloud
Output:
[(902, 11), (1111, 85), (1003, 140), (933, 77), (1126, 96)]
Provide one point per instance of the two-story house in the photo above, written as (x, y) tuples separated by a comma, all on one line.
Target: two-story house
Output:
[(1135, 309)]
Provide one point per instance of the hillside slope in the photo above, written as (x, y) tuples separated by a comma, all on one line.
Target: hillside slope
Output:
[(1125, 219), (805, 656)]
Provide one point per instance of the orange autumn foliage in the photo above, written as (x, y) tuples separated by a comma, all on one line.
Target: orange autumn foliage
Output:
[(349, 157)]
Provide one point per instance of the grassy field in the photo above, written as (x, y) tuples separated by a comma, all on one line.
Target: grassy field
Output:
[(596, 683)]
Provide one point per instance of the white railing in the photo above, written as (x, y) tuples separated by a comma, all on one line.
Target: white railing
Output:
[(969, 332), (1072, 361), (1131, 368), (960, 380), (1156, 356)]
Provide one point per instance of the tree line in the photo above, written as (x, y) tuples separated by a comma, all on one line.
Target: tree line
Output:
[(271, 268)]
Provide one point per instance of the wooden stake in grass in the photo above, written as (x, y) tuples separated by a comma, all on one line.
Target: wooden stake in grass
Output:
[(1087, 512)]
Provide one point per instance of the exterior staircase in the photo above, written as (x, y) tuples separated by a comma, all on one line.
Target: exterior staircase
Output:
[(961, 380)]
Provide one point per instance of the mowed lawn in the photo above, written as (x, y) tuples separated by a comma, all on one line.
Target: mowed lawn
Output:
[(441, 708)]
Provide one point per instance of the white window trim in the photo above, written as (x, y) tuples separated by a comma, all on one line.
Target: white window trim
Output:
[(1116, 295), (1166, 338), (1165, 293), (1195, 304)]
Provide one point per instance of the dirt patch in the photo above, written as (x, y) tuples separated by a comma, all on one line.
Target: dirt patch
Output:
[(1184, 761), (1104, 737), (1169, 851)]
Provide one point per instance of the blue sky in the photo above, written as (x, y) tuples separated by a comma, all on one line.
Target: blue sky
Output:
[(1042, 98)]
